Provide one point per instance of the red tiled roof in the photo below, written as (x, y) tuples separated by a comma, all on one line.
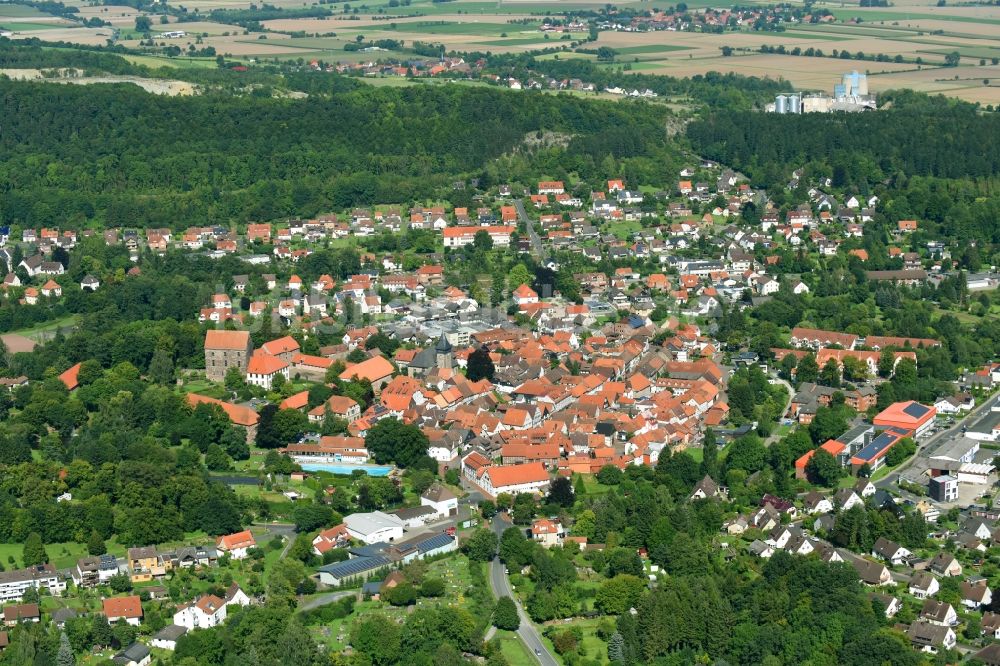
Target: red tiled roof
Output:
[(239, 415), (217, 339), (126, 607), (71, 377), (242, 539), (281, 346), (297, 401), (265, 364), (512, 475), (373, 369)]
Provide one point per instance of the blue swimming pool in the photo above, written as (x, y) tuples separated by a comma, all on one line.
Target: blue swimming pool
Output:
[(347, 470)]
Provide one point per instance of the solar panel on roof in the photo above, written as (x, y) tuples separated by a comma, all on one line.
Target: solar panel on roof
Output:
[(435, 542), (876, 445), (915, 409), (354, 567)]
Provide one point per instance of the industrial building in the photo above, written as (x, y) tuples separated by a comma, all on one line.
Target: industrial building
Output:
[(850, 95)]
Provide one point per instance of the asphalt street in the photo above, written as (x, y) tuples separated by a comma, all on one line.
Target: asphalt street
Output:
[(500, 583)]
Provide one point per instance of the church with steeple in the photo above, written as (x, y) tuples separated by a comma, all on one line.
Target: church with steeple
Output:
[(439, 357)]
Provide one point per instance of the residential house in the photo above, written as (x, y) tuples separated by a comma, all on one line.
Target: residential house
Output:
[(928, 637), (890, 551), (872, 573), (707, 488), (236, 544), (442, 500), (135, 654), (976, 595), (145, 564), (20, 614), (547, 532), (945, 564), (13, 584), (923, 585), (166, 638), (128, 609), (814, 502), (204, 613), (939, 612)]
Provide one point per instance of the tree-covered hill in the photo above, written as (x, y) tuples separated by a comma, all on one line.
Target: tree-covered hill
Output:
[(118, 156)]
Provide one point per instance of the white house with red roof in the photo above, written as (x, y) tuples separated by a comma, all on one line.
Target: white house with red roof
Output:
[(203, 613), (524, 478), (334, 537), (236, 544), (51, 289), (547, 532), (525, 295), (263, 368)]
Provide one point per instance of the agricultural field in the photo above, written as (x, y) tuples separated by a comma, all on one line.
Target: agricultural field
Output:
[(909, 30)]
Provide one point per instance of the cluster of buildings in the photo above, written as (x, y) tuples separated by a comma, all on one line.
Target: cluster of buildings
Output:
[(142, 565), (850, 95), (374, 540), (890, 569)]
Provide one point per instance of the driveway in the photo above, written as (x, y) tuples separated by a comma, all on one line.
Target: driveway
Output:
[(324, 599), (773, 437)]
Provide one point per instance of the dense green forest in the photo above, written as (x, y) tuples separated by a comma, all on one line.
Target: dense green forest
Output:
[(109, 154), (930, 159)]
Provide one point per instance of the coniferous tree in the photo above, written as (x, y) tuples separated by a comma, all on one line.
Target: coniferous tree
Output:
[(65, 655), (34, 550), (95, 544)]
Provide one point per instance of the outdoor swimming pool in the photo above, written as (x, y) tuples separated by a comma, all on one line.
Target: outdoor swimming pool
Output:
[(347, 470)]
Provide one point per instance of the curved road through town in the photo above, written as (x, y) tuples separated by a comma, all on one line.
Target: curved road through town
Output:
[(500, 584)]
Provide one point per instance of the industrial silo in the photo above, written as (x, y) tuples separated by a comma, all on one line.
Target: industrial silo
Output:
[(794, 104), (862, 85), (781, 104)]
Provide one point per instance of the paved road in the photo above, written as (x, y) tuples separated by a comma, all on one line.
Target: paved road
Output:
[(324, 599), (281, 529), (500, 584), (536, 241), (930, 446)]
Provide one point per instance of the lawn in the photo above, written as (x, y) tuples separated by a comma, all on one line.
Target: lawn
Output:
[(886, 15), (453, 28), (20, 26), (782, 430), (516, 41), (592, 486), (163, 61), (19, 11), (624, 230), (205, 387), (802, 34), (650, 48), (454, 571), (41, 331), (514, 650), (592, 646), (61, 555)]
